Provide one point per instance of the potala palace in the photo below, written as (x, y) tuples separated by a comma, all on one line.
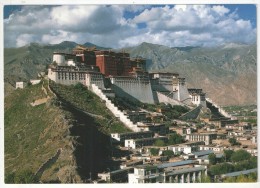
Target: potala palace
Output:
[(116, 74)]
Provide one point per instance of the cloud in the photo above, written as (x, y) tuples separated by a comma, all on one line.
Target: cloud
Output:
[(198, 24), (119, 25)]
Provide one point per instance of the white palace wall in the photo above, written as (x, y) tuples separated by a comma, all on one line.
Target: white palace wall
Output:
[(183, 94), (59, 58), (138, 89), (66, 78)]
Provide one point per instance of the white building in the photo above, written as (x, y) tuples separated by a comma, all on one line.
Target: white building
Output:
[(71, 62), (121, 137), (205, 137), (138, 143), (213, 148), (182, 149), (176, 172), (20, 85), (59, 58), (197, 96), (144, 174)]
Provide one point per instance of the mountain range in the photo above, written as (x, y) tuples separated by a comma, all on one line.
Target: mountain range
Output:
[(227, 73)]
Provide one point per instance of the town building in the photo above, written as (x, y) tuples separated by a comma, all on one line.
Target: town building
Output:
[(183, 148), (205, 137), (121, 137), (185, 175), (116, 176), (222, 122), (137, 116), (176, 172), (158, 128), (138, 143), (144, 174), (197, 96)]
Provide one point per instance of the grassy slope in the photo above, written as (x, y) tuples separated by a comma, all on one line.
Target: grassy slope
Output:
[(85, 100), (34, 134)]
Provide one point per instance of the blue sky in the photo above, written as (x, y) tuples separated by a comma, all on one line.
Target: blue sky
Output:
[(127, 25)]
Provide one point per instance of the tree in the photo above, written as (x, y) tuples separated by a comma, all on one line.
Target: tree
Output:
[(159, 143), (233, 142), (221, 168), (252, 177), (240, 155), (227, 154), (245, 178), (175, 139), (168, 153), (154, 151), (205, 179), (212, 158), (246, 164), (230, 180)]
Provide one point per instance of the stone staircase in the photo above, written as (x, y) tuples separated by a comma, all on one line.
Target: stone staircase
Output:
[(117, 113)]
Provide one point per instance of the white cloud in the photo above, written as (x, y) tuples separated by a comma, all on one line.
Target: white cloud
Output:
[(197, 23), (23, 39), (178, 25), (221, 10)]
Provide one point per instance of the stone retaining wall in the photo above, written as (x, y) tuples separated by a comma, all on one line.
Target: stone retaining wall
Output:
[(221, 110)]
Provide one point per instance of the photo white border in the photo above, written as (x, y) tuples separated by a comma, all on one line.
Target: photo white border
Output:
[(133, 2)]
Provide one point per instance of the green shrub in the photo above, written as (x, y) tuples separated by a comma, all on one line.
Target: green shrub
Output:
[(240, 155), (159, 143), (168, 153), (154, 151), (175, 139), (23, 177)]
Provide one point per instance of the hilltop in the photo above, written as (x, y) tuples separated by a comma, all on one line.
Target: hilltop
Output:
[(227, 73)]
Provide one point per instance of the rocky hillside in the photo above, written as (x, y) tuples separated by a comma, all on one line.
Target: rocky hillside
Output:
[(227, 73)]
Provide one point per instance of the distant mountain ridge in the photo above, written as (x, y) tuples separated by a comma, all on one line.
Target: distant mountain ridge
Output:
[(226, 73)]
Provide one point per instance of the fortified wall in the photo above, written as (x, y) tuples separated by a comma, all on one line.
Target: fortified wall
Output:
[(133, 88), (182, 94)]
